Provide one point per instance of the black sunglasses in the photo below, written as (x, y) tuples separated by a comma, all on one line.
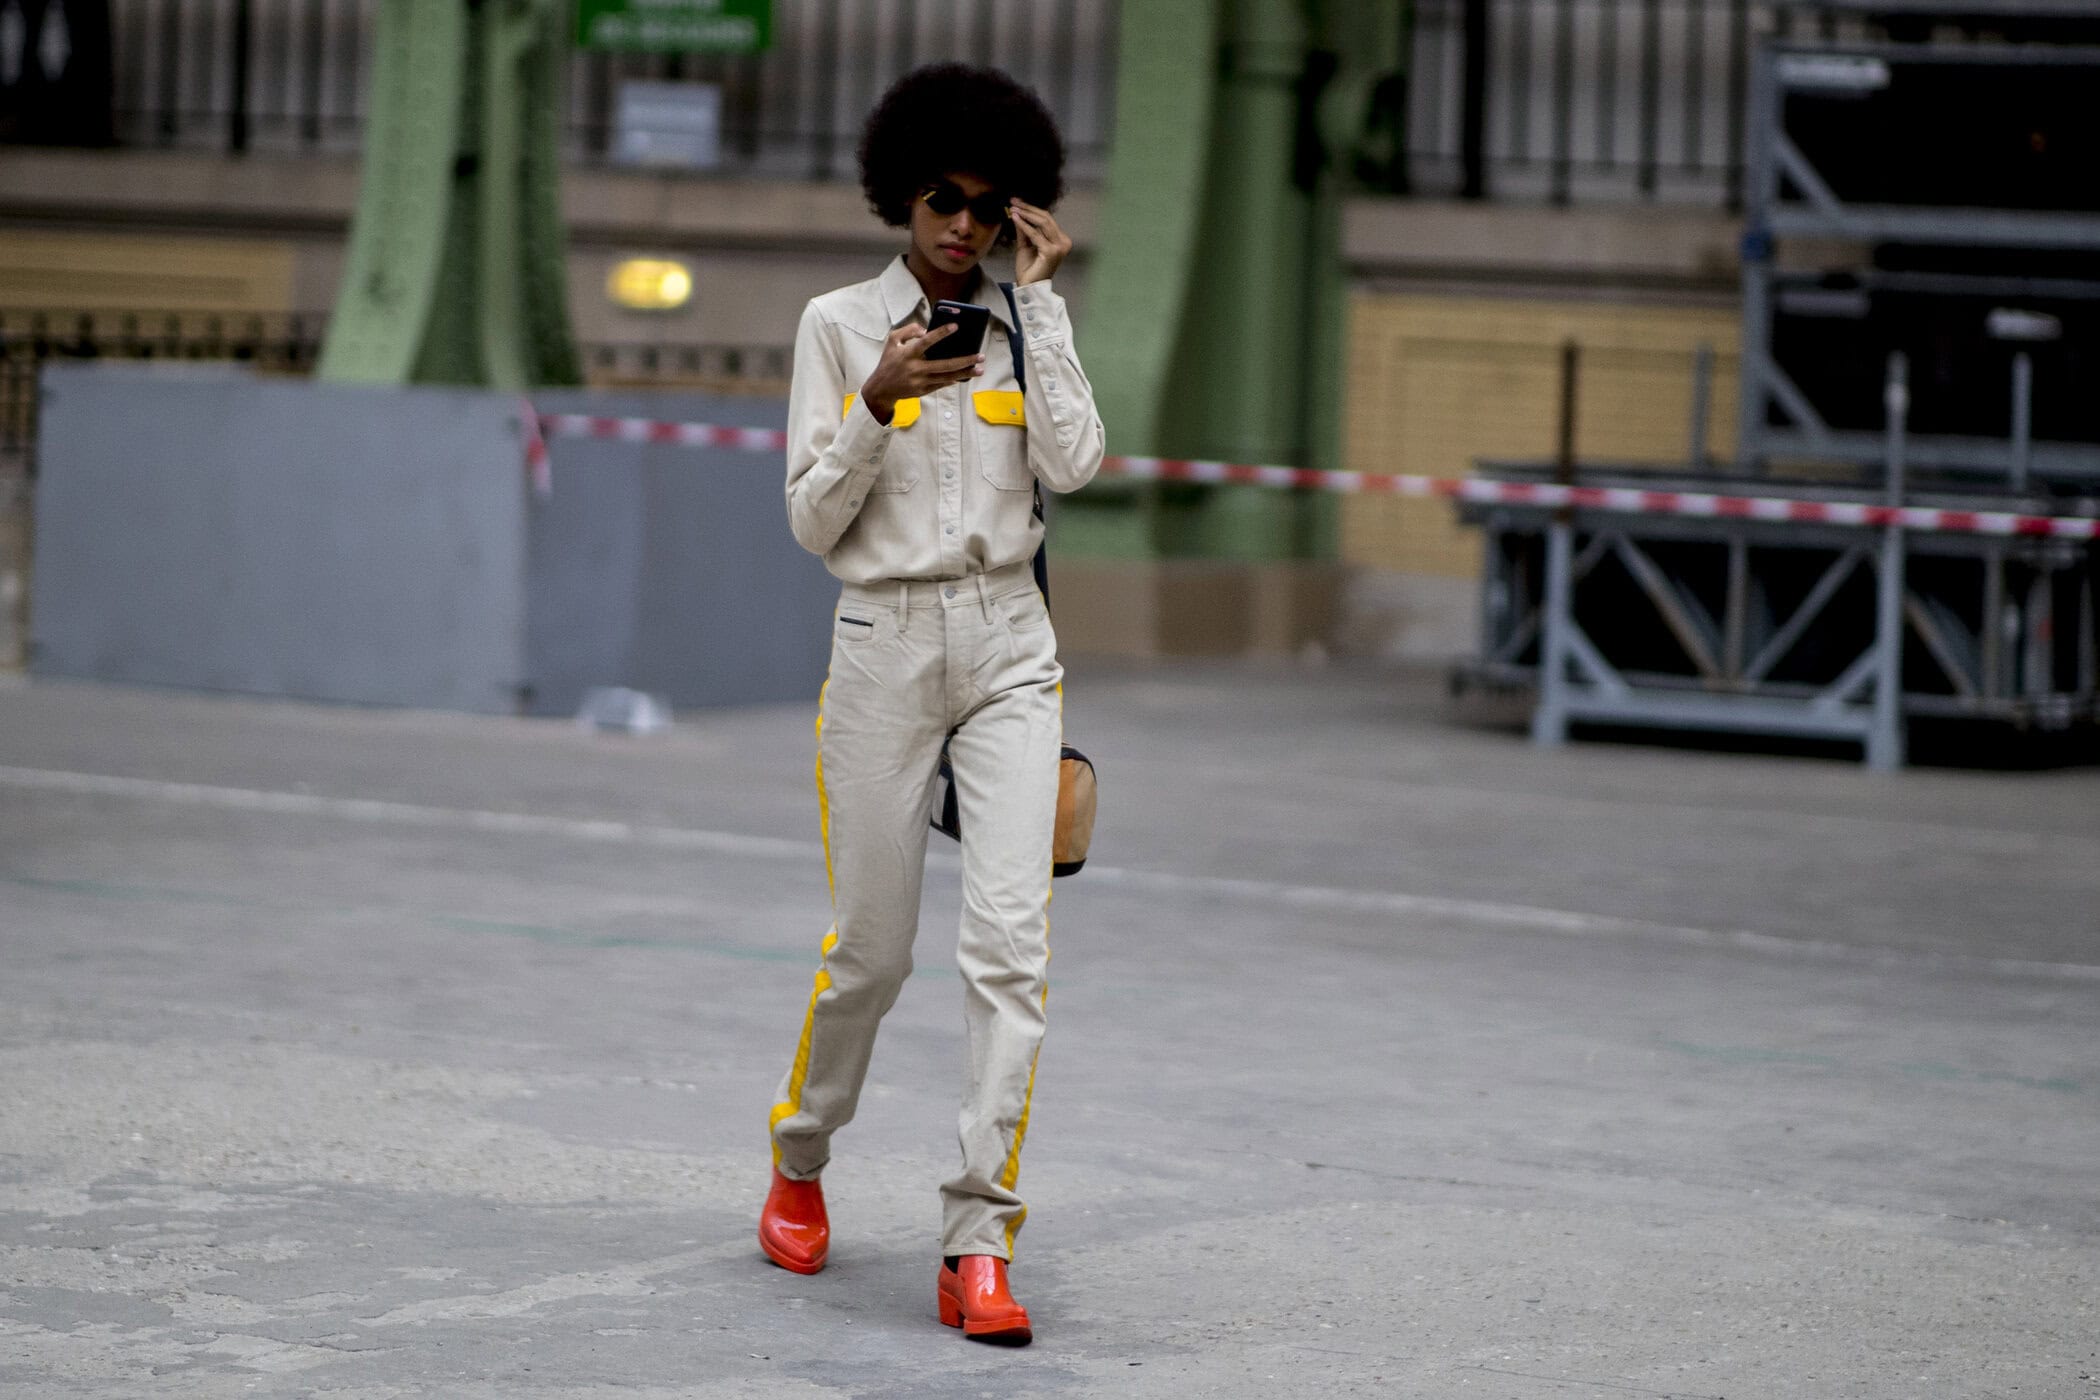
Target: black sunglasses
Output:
[(944, 198)]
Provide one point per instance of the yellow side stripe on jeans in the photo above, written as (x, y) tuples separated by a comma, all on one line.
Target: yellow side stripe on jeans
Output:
[(824, 801), (799, 1073), (1011, 1173), (792, 1104)]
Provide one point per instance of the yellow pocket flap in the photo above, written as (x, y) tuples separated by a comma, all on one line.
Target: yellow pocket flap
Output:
[(1000, 406), (907, 411)]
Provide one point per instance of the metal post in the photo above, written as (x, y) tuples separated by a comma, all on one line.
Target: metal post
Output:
[(315, 34), (1738, 101), (169, 124), (2022, 418), (1694, 71), (1549, 719), (1564, 459), (1473, 101), (830, 20), (1563, 102), (1651, 95), (1517, 45), (1736, 617), (1501, 594), (1991, 635), (2088, 644), (1760, 189), (1753, 394), (1607, 83), (2039, 659), (1885, 741), (243, 45), (1702, 399)]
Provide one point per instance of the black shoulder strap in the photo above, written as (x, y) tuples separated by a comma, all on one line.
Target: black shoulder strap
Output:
[(1013, 346), (1013, 336)]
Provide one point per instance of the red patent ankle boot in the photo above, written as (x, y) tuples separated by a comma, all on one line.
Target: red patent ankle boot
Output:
[(793, 1229), (974, 1297)]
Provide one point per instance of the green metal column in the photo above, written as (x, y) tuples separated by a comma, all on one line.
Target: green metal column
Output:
[(1154, 246), (455, 272), (1217, 302), (1240, 384)]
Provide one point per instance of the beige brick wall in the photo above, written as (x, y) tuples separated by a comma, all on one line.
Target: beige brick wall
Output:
[(142, 272), (1437, 382)]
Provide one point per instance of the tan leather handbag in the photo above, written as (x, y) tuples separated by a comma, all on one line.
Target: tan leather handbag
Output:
[(1075, 812), (1075, 809)]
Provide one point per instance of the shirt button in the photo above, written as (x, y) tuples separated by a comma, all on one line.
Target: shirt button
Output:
[(951, 529), (948, 592), (853, 505)]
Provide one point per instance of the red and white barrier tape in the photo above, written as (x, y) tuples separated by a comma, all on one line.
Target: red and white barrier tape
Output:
[(1618, 499), (671, 434)]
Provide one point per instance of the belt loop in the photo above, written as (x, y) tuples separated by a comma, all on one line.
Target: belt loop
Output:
[(984, 603), (903, 608)]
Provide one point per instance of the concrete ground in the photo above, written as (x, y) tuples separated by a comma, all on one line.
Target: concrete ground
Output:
[(360, 1055)]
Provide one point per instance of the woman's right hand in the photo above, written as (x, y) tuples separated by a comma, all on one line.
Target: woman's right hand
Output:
[(904, 373)]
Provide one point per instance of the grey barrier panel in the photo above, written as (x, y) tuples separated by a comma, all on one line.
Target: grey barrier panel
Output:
[(219, 531), (205, 528), (671, 569)]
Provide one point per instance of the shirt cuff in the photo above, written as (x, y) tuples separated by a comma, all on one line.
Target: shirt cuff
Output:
[(1043, 314)]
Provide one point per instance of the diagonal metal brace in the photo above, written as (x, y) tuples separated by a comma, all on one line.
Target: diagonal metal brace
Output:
[(1687, 621), (1804, 616)]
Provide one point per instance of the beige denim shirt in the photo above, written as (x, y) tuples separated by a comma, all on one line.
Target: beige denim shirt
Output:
[(946, 488)]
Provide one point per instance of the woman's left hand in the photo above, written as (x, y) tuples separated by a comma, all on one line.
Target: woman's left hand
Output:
[(1040, 245)]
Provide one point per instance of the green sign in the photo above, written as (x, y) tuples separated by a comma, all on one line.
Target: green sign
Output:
[(675, 26)]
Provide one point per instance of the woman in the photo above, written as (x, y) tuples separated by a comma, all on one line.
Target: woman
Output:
[(914, 474)]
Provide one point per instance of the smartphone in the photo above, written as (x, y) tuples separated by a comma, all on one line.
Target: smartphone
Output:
[(969, 320)]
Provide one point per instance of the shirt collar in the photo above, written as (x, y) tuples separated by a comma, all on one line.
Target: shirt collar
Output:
[(903, 299)]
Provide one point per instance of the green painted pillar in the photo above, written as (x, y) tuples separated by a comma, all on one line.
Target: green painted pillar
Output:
[(1154, 242), (1217, 302), (1242, 386), (455, 271)]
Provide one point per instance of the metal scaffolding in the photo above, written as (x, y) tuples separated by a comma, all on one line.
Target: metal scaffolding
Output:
[(1789, 197), (1783, 627)]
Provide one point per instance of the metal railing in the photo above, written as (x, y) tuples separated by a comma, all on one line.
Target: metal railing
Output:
[(1575, 100), (292, 75), (1557, 100)]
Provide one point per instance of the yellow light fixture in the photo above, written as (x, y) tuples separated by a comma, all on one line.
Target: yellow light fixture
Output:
[(650, 284)]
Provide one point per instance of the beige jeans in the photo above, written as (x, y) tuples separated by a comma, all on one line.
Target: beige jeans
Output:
[(912, 665)]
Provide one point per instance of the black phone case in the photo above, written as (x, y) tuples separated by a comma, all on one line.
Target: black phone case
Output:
[(970, 321)]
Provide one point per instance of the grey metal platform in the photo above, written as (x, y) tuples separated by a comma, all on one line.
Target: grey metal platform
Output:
[(1781, 627)]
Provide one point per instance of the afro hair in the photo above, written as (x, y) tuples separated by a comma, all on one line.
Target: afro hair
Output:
[(951, 118)]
